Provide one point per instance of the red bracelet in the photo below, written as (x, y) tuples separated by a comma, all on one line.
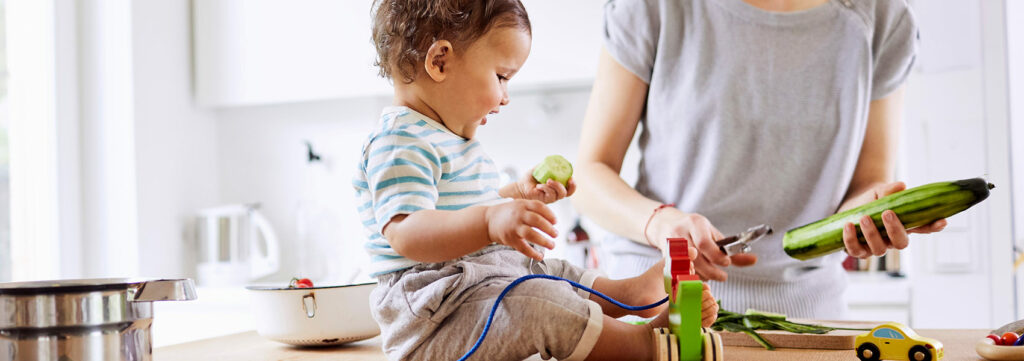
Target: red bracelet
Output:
[(648, 224)]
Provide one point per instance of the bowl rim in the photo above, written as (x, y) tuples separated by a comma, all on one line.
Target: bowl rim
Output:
[(272, 288)]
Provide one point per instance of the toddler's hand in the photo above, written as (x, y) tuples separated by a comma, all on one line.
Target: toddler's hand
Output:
[(549, 192), (513, 223), (709, 308)]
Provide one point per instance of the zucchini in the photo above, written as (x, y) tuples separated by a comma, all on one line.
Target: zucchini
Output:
[(915, 207), (553, 167)]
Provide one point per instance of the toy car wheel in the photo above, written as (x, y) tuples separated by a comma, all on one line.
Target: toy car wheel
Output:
[(919, 353), (868, 352)]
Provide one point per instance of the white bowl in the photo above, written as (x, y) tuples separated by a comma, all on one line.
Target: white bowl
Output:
[(318, 316)]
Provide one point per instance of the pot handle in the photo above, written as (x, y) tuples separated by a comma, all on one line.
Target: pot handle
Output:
[(163, 290), (309, 305)]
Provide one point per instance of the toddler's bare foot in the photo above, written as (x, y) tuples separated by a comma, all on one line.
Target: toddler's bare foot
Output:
[(649, 288), (660, 321)]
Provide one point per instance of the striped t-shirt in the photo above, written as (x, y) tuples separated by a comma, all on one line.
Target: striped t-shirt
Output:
[(412, 163)]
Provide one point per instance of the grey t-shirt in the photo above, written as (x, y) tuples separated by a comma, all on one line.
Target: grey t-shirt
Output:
[(758, 117)]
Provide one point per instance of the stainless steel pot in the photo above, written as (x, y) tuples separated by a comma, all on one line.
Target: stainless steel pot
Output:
[(83, 320)]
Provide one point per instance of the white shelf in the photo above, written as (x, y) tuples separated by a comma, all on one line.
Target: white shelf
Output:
[(876, 296), (877, 288)]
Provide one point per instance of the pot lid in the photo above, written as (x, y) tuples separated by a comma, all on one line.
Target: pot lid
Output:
[(140, 289), (67, 286)]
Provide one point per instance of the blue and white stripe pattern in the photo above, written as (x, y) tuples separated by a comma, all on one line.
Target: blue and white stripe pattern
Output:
[(412, 163)]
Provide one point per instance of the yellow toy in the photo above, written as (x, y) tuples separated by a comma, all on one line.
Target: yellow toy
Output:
[(896, 341)]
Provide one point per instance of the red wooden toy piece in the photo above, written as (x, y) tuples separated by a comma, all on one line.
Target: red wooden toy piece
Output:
[(680, 263)]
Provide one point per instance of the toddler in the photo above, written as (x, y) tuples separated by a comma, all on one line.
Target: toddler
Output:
[(444, 236)]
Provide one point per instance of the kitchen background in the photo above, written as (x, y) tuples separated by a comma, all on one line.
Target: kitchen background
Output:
[(121, 121)]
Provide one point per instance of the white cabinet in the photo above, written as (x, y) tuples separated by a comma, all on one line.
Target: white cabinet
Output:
[(1015, 60), (956, 127), (251, 52)]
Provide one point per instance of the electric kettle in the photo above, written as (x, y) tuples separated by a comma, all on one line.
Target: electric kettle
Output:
[(236, 245)]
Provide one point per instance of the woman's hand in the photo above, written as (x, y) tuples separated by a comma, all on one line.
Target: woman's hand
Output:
[(528, 188), (673, 223), (512, 224), (895, 234)]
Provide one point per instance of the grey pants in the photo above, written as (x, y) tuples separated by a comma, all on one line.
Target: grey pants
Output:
[(437, 311)]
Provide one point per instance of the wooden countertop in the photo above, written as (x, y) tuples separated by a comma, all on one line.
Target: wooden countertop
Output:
[(248, 346), (957, 344)]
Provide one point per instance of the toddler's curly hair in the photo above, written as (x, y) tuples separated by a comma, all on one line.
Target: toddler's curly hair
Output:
[(403, 30)]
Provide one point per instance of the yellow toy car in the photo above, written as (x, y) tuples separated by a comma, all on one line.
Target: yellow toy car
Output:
[(895, 341)]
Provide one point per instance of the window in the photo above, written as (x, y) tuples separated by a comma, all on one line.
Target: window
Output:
[(888, 333), (5, 199)]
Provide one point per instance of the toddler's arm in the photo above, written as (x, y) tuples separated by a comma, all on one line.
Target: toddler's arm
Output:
[(437, 236)]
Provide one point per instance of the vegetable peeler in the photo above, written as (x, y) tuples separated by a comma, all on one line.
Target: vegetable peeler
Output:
[(740, 243)]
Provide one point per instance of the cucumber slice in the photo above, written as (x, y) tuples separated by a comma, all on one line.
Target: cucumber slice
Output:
[(553, 167), (754, 324), (768, 315)]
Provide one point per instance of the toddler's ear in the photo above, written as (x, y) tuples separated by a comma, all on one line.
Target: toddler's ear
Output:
[(438, 55)]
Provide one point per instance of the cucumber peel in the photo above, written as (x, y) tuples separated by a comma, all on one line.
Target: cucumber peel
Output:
[(765, 314), (553, 167)]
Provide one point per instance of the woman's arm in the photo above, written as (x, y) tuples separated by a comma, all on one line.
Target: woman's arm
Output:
[(616, 104), (877, 162), (613, 113), (873, 179)]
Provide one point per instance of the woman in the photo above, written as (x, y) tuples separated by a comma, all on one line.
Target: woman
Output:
[(774, 112)]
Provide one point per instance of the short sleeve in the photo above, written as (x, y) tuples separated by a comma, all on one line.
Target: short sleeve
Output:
[(894, 56), (631, 34), (402, 175)]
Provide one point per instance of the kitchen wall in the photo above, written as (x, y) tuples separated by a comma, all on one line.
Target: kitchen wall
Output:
[(177, 158), (147, 156)]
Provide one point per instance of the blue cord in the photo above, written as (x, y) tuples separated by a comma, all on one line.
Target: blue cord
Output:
[(519, 280)]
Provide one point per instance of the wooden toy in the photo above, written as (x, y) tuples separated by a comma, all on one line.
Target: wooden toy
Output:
[(686, 291)]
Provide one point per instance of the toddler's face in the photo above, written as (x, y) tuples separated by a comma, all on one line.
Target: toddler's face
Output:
[(478, 82)]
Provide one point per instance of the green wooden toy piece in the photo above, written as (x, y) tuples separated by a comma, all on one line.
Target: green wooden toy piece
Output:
[(685, 320)]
